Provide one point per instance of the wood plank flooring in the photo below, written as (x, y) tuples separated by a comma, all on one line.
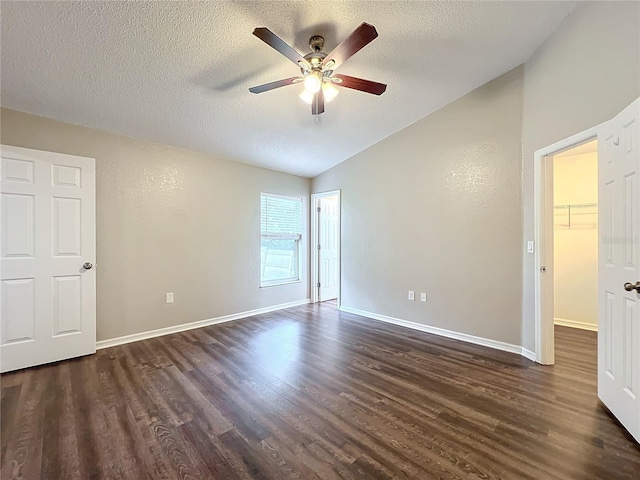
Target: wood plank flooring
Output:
[(312, 393)]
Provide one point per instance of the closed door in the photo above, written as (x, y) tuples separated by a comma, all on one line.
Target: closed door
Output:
[(48, 249), (328, 247), (619, 268)]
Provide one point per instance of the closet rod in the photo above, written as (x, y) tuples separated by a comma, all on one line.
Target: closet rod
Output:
[(576, 205), (571, 206)]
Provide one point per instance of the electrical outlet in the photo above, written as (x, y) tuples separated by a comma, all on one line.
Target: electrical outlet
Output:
[(423, 297), (169, 297), (412, 295)]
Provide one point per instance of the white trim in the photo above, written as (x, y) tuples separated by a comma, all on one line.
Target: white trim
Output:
[(485, 342), (286, 197), (280, 282), (526, 353), (315, 197), (565, 322), (136, 337), (28, 154), (543, 235), (313, 245)]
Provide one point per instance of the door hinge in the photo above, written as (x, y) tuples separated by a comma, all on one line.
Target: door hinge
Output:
[(319, 247), (318, 284), (318, 209)]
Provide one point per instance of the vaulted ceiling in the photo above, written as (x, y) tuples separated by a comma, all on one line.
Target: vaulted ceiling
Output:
[(178, 73)]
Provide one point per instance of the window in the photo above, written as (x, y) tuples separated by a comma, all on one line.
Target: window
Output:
[(281, 231)]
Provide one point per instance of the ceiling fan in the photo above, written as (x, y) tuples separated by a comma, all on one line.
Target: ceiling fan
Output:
[(317, 68)]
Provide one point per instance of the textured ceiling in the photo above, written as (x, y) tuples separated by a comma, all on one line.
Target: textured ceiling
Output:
[(177, 73)]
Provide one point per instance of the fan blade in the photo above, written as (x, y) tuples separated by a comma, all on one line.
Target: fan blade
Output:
[(317, 106), (271, 39), (277, 84), (360, 37), (360, 84)]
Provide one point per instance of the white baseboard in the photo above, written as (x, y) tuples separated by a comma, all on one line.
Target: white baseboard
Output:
[(564, 322), (526, 353), (485, 342), (135, 337)]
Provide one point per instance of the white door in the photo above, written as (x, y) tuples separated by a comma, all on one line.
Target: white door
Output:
[(328, 248), (619, 268), (47, 296)]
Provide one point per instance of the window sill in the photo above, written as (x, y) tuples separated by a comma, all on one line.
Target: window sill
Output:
[(284, 282)]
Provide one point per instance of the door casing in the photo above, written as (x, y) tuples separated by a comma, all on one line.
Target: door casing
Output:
[(543, 238)]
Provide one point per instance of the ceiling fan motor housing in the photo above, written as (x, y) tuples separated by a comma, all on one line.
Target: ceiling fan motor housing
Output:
[(316, 43), (316, 56)]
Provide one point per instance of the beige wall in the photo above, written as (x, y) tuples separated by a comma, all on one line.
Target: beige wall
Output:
[(436, 208), (168, 220), (575, 237), (440, 206), (583, 75)]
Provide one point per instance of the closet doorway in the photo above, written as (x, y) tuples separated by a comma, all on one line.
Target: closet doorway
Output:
[(618, 281), (575, 237), (575, 258)]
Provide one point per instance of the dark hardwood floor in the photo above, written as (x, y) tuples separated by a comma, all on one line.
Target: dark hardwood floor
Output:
[(313, 393)]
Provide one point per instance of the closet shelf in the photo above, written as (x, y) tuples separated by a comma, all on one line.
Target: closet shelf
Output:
[(576, 205), (573, 209)]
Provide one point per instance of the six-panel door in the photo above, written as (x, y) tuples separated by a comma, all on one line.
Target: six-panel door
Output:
[(619, 265), (47, 297), (328, 255)]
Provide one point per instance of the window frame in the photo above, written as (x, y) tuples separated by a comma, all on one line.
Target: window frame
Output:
[(297, 237)]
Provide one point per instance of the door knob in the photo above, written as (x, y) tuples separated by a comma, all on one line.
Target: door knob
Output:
[(630, 286), (87, 266)]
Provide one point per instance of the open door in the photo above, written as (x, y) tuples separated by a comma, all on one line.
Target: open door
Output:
[(325, 231), (619, 268), (48, 283), (328, 248)]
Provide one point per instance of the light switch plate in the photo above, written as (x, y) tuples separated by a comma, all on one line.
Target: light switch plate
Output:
[(530, 248), (412, 295)]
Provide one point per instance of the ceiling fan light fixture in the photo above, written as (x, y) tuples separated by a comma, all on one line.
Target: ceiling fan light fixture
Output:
[(306, 96), (313, 82), (317, 67), (330, 92)]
